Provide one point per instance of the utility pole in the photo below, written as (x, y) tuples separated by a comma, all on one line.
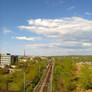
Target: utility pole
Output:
[(7, 85), (39, 70), (24, 83)]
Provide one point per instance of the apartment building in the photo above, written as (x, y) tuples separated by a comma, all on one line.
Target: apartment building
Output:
[(5, 59)]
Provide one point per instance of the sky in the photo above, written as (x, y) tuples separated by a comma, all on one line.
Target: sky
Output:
[(46, 27)]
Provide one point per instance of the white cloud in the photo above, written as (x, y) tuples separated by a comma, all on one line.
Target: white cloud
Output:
[(6, 31), (71, 7), (28, 38), (60, 44), (88, 13), (87, 44), (70, 35), (49, 27), (63, 48), (48, 45)]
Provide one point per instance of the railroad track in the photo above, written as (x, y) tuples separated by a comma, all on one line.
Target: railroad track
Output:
[(44, 84)]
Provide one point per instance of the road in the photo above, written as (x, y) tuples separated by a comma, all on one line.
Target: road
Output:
[(45, 83)]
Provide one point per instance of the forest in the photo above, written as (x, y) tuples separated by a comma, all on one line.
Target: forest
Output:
[(72, 74)]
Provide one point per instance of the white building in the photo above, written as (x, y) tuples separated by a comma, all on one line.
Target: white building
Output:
[(5, 59)]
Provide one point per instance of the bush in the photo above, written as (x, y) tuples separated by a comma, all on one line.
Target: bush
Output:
[(85, 80), (65, 68)]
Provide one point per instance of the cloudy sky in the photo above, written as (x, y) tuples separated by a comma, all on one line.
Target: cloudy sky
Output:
[(46, 27)]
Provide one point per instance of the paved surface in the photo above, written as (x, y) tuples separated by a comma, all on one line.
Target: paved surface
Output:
[(44, 84)]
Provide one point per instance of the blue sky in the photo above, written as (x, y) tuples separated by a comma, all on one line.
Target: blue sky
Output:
[(46, 27)]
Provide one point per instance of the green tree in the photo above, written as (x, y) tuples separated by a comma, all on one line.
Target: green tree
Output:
[(85, 80)]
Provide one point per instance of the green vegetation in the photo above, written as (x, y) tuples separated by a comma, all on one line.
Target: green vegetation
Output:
[(33, 71), (85, 79), (82, 58), (65, 76)]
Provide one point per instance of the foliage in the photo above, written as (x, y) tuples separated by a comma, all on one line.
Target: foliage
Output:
[(85, 80), (16, 78), (65, 68), (68, 77)]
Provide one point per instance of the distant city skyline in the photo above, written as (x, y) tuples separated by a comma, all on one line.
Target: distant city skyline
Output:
[(46, 27)]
